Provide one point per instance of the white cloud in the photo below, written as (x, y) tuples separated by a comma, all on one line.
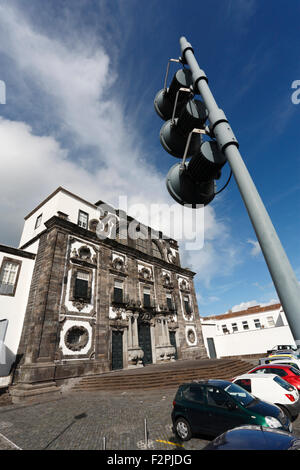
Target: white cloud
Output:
[(256, 250)]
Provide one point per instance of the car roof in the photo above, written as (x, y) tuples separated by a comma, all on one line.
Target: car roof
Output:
[(215, 382), (273, 364), (258, 376)]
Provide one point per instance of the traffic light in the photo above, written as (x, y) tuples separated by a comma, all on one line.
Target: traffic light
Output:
[(193, 183), (189, 182)]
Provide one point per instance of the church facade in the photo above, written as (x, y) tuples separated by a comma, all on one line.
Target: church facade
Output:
[(96, 303)]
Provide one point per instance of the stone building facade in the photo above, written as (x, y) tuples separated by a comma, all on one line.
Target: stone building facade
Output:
[(96, 303)]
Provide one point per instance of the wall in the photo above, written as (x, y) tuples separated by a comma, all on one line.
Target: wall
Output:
[(248, 342)]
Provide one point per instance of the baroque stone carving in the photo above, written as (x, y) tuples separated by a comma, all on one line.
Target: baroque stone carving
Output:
[(145, 273), (79, 304), (135, 356), (191, 336)]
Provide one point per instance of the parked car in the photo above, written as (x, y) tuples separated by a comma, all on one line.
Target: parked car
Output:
[(287, 362), (280, 359), (286, 372), (213, 406), (254, 438), (279, 355), (271, 388), (283, 347)]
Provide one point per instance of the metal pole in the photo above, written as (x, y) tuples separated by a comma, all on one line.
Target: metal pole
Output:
[(284, 278), (146, 432)]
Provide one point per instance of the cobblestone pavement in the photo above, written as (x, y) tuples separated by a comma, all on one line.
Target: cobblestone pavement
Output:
[(81, 421)]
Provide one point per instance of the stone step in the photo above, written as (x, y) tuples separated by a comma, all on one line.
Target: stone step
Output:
[(160, 378)]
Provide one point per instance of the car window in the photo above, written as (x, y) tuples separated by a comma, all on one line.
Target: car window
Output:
[(260, 371), (244, 383), (294, 370), (280, 372), (239, 394), (216, 397), (194, 393), (283, 383)]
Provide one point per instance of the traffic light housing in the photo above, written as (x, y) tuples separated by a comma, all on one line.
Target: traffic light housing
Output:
[(189, 182), (193, 183)]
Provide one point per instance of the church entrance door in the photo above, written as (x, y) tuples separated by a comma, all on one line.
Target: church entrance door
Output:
[(145, 342), (117, 349)]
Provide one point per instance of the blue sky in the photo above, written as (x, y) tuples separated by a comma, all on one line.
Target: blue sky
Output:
[(81, 77)]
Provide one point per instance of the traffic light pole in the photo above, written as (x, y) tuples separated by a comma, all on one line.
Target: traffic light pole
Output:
[(284, 278)]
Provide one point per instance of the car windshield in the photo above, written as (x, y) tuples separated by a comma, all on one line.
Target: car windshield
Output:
[(239, 394)]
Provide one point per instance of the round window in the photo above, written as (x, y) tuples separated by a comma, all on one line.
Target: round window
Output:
[(76, 338)]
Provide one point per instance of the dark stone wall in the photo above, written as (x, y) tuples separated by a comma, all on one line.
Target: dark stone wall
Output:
[(41, 358)]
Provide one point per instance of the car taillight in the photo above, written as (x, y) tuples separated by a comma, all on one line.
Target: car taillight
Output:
[(174, 403), (290, 397)]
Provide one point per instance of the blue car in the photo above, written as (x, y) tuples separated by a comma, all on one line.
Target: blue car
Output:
[(254, 438)]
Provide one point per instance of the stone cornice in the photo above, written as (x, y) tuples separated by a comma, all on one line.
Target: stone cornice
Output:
[(125, 249), (17, 252)]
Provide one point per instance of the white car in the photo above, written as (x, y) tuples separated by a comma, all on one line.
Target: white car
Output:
[(273, 389)]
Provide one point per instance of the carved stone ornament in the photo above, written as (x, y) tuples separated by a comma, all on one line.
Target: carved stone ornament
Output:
[(188, 315), (145, 273), (76, 338), (79, 304), (191, 336), (118, 264), (93, 224), (118, 311), (135, 355), (184, 286), (166, 279), (170, 256), (85, 253)]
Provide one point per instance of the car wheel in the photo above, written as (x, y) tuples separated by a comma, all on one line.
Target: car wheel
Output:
[(183, 429), (286, 412)]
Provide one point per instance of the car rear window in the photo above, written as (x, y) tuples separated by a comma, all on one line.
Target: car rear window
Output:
[(283, 383), (294, 370)]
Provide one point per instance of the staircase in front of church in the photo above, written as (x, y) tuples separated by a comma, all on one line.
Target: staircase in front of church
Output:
[(164, 375)]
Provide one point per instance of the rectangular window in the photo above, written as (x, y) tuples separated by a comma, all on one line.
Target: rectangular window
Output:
[(257, 323), (270, 321), (234, 327), (8, 277), (146, 292), (82, 285), (245, 325), (38, 221), (169, 302), (118, 292), (83, 219), (187, 306)]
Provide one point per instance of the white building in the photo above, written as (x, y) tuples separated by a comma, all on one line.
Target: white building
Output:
[(246, 332), (16, 268)]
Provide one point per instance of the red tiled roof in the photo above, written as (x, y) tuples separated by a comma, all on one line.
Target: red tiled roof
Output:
[(250, 310)]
